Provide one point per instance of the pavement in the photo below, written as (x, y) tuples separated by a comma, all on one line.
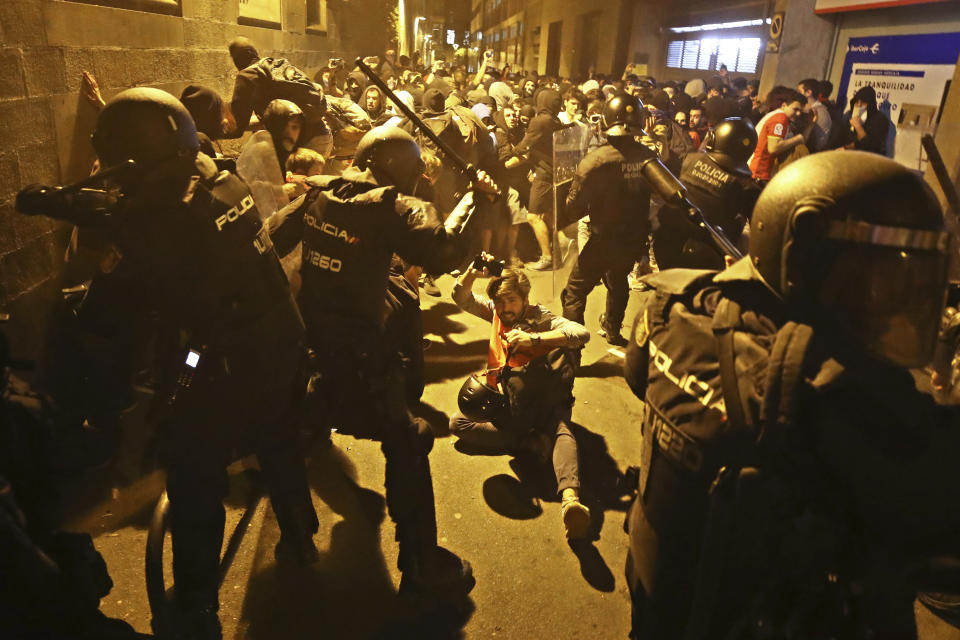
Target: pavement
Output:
[(500, 515)]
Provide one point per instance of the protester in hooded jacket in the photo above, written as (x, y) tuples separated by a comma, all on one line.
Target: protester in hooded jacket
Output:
[(537, 148), (867, 127), (206, 107), (374, 103), (501, 93)]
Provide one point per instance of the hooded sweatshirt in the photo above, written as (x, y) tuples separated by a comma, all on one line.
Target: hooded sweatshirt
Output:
[(379, 116), (537, 144), (876, 124), (206, 108), (502, 93)]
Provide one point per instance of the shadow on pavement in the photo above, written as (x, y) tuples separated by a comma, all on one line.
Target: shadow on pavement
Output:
[(438, 420), (436, 319), (446, 360), (602, 488), (608, 366), (349, 593), (508, 497), (592, 566), (600, 474)]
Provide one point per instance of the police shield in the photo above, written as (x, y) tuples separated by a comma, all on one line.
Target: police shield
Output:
[(569, 148), (259, 167)]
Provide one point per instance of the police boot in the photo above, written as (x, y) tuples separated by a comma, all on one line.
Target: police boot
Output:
[(611, 332), (193, 624), (296, 546), (429, 571)]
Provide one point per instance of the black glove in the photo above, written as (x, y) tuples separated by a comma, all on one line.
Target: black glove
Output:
[(82, 207), (38, 199)]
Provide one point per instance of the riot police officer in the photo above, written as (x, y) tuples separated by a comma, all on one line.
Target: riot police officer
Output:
[(351, 226), (189, 245), (719, 183), (609, 187), (793, 479)]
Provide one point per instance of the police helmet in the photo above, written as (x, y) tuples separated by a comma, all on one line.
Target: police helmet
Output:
[(393, 154), (731, 143), (623, 115), (146, 125), (855, 242), (481, 402)]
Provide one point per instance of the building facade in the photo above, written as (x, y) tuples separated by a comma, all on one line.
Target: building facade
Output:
[(46, 44)]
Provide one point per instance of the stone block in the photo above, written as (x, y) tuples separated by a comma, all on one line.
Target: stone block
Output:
[(26, 122), (9, 176), (44, 71), (12, 84), (214, 11), (8, 241), (30, 265), (76, 24), (75, 62), (27, 229), (22, 22), (208, 34), (211, 63), (111, 65), (171, 65), (74, 121), (39, 164)]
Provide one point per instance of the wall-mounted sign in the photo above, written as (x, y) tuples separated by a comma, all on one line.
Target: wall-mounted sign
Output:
[(776, 30), (834, 6), (260, 13), (908, 73)]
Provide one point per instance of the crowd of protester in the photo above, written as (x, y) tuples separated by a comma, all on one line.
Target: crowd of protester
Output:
[(502, 122)]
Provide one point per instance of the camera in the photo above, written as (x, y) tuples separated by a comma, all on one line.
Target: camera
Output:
[(335, 63), (488, 53), (494, 267)]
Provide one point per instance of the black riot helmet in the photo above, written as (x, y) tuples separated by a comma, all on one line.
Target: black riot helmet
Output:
[(146, 125), (393, 155), (855, 242), (623, 115), (479, 401), (731, 143), (276, 116)]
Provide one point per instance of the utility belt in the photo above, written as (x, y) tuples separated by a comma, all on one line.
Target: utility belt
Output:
[(675, 475)]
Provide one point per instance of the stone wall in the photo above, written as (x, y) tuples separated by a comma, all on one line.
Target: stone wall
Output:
[(45, 123)]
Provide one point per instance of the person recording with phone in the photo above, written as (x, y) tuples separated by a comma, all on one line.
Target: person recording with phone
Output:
[(524, 337)]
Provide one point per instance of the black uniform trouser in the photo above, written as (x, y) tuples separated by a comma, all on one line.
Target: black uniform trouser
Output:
[(219, 414), (604, 259), (357, 388)]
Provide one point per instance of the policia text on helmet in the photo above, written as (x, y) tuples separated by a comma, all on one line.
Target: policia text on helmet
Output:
[(855, 242)]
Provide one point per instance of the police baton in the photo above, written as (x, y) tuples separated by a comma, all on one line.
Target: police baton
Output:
[(674, 193), (940, 171), (461, 164)]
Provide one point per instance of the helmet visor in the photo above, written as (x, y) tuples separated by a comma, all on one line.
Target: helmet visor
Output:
[(890, 298)]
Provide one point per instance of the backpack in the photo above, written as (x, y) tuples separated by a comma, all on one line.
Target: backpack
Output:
[(723, 395), (288, 82)]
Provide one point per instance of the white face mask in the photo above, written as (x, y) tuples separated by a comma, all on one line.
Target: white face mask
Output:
[(863, 115)]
